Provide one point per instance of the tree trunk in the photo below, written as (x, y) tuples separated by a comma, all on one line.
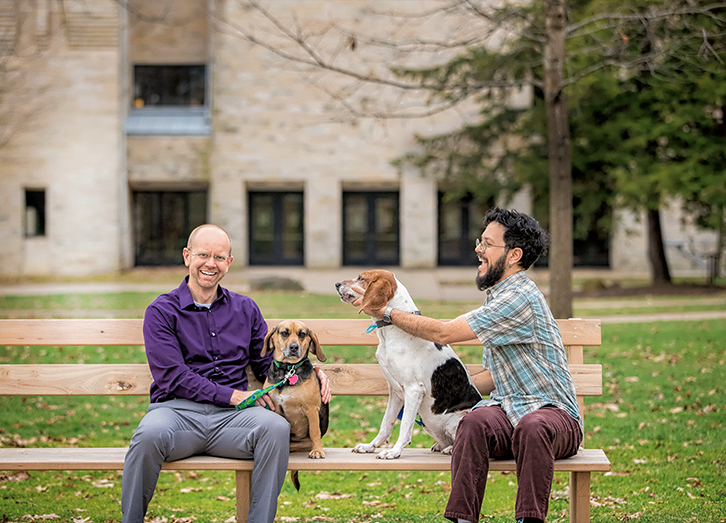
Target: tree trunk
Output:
[(560, 164), (656, 250)]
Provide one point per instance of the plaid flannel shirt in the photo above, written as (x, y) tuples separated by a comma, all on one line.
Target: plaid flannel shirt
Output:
[(523, 350)]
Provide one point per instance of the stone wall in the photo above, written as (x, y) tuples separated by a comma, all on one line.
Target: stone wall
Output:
[(67, 146)]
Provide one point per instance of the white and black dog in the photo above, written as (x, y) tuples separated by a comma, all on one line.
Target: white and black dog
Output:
[(423, 377)]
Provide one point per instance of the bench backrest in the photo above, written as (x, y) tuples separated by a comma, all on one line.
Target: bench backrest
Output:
[(134, 379)]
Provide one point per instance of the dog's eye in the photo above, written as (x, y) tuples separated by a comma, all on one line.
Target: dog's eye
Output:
[(301, 334), (284, 333)]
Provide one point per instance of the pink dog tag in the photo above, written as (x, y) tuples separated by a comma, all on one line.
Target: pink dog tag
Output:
[(292, 380)]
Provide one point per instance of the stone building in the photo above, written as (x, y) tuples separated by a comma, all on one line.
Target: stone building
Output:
[(127, 123)]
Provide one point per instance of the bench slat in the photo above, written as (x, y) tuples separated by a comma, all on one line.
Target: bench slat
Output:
[(115, 332), (89, 379), (414, 459)]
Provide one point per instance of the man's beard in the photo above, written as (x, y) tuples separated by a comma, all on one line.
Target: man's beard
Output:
[(493, 275)]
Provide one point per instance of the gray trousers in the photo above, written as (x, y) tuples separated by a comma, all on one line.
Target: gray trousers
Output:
[(177, 429)]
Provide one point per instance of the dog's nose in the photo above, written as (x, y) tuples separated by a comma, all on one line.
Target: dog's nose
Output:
[(338, 284)]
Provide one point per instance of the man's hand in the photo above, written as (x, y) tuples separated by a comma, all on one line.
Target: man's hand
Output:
[(376, 313), (238, 396), (325, 392)]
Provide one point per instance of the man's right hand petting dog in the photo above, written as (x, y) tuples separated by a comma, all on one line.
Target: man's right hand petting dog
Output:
[(423, 377)]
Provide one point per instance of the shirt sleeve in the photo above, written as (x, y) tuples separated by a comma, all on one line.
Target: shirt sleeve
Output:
[(170, 371)]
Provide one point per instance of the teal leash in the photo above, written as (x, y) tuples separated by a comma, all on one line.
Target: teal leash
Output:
[(290, 377)]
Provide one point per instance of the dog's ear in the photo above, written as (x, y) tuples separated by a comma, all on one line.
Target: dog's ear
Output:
[(269, 343), (380, 290), (315, 347)]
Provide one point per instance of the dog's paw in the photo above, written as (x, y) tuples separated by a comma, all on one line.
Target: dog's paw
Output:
[(389, 454), (317, 454), (447, 450), (436, 447), (364, 448)]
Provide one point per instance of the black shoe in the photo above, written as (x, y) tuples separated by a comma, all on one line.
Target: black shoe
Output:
[(530, 520)]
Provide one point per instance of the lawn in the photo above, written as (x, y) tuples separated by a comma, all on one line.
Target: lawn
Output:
[(660, 420)]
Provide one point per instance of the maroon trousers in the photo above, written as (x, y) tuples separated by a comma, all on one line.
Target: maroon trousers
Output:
[(539, 438)]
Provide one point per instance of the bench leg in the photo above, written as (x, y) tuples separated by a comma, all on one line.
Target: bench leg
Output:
[(579, 497), (243, 479)]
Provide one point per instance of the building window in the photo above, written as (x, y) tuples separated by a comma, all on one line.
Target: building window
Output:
[(460, 224), (371, 228), (169, 85), (34, 213), (162, 223), (276, 228)]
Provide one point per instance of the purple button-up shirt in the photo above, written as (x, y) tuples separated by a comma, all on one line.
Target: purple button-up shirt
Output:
[(200, 354)]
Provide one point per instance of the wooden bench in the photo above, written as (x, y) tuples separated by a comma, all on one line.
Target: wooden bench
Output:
[(346, 380)]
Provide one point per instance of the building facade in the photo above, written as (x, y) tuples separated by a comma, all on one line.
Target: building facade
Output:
[(126, 124)]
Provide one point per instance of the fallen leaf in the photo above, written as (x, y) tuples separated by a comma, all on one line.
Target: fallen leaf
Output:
[(334, 495), (20, 476), (222, 498)]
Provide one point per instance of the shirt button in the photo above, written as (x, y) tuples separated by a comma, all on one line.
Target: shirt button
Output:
[(214, 334)]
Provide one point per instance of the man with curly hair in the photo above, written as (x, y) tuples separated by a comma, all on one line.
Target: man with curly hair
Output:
[(531, 413)]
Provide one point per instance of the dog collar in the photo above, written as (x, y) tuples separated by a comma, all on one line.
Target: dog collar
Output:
[(385, 322), (289, 366)]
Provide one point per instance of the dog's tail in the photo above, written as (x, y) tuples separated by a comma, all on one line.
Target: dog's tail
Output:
[(295, 480)]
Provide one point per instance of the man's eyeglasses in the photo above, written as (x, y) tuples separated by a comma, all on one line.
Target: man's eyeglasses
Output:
[(206, 256), (484, 245)]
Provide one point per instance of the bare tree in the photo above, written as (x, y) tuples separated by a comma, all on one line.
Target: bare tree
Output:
[(26, 39), (445, 53)]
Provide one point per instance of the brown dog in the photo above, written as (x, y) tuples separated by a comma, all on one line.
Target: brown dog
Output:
[(297, 398)]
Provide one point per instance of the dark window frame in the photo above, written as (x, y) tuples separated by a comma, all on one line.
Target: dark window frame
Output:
[(464, 250), (178, 85), (371, 241), (159, 237), (35, 201), (277, 254)]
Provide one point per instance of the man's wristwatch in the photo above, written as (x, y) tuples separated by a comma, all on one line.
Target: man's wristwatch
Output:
[(387, 315)]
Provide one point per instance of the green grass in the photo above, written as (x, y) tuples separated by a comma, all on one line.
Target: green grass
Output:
[(660, 420)]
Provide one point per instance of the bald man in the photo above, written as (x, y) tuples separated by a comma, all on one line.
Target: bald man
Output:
[(199, 339)]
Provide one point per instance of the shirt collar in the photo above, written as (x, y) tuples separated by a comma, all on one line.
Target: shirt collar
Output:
[(515, 279), (185, 295)]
